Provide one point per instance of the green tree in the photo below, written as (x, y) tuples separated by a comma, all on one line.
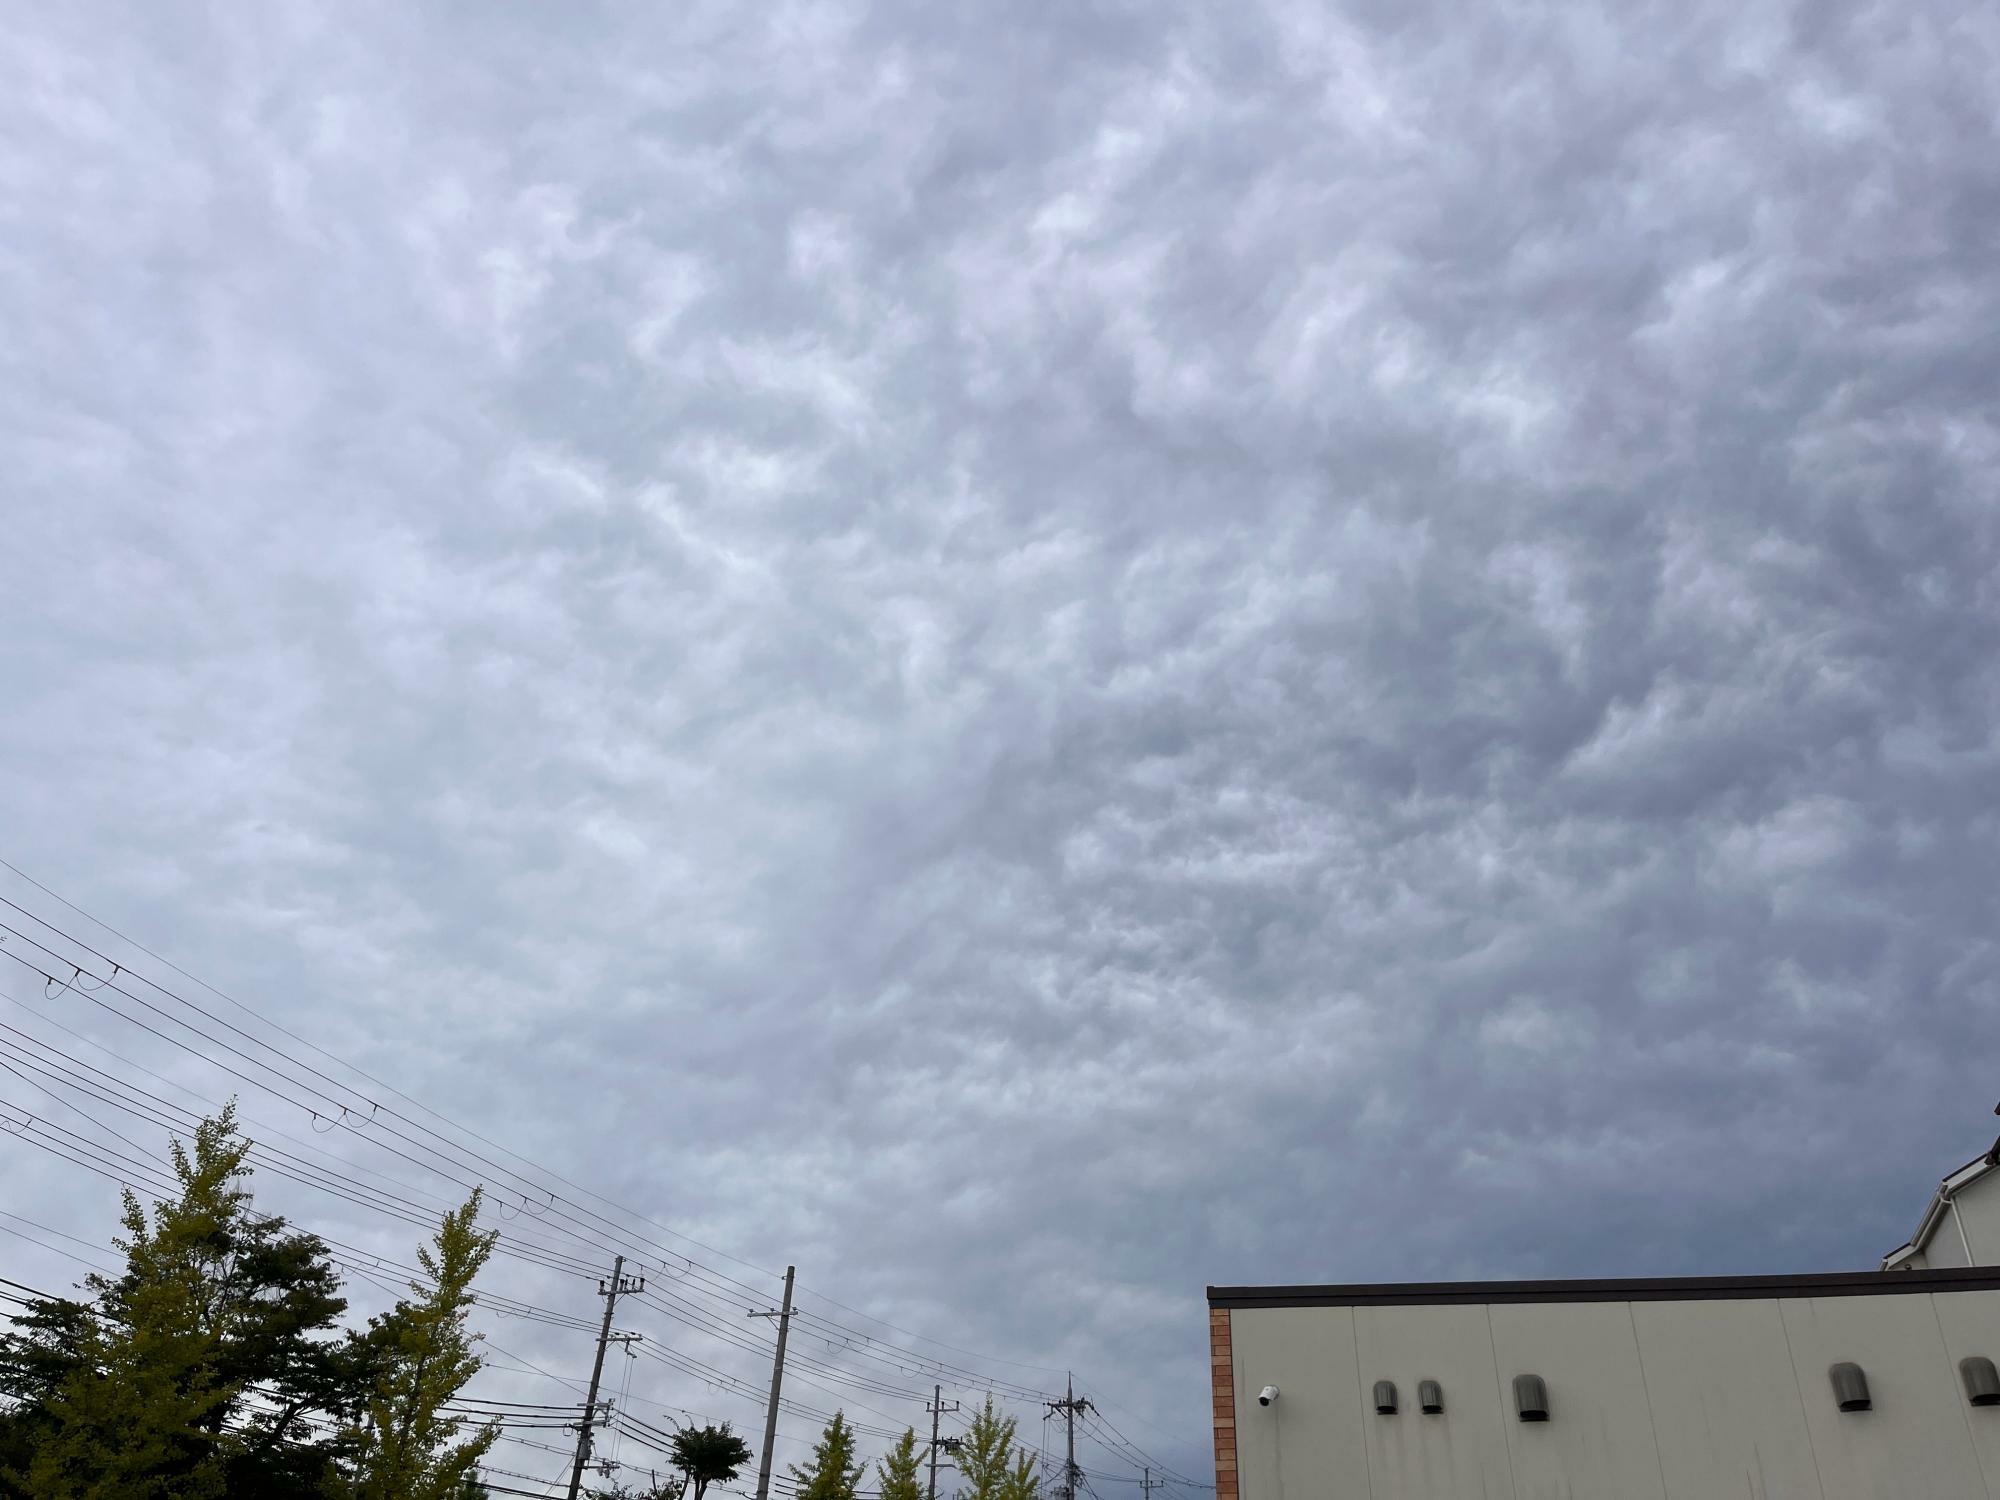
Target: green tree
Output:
[(420, 1355), (1022, 1483), (47, 1346), (984, 1459), (896, 1473), (707, 1455), (659, 1489), (992, 1466), (142, 1393), (835, 1472)]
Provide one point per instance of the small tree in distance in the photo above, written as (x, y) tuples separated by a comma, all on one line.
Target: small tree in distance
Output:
[(835, 1473), (707, 1455), (896, 1474), (659, 1489), (993, 1468)]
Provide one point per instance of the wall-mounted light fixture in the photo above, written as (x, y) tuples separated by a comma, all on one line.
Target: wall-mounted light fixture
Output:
[(1385, 1398), (1850, 1387), (1531, 1398), (1430, 1397), (1266, 1396), (1982, 1381)]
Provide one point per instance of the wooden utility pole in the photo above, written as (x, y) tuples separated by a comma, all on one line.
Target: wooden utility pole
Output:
[(784, 1317), (610, 1291)]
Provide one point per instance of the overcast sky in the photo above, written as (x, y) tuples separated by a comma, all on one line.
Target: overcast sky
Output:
[(1033, 655)]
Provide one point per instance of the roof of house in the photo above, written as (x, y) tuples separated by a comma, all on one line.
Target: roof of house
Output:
[(1954, 1183), (1616, 1289)]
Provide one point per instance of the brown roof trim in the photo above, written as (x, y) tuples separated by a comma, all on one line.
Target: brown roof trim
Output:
[(1619, 1289)]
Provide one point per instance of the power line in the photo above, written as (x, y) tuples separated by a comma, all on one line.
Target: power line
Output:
[(703, 1322), (262, 1019), (374, 1108), (332, 1103), (306, 1173), (94, 1157), (45, 1229), (727, 1384), (282, 1165), (372, 1120), (884, 1323), (262, 1127), (1118, 1443), (356, 1069), (98, 1085)]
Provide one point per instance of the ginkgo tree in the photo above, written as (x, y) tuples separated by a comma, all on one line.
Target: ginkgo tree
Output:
[(896, 1471), (408, 1445), (993, 1467), (835, 1471)]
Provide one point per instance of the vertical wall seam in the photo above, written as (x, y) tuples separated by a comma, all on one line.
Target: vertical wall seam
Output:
[(1367, 1432), (1646, 1390), (1799, 1390), (1964, 1411), (1500, 1395)]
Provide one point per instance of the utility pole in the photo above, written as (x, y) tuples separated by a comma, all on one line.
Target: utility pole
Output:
[(610, 1292), (784, 1317), (1146, 1484), (937, 1408), (1069, 1406)]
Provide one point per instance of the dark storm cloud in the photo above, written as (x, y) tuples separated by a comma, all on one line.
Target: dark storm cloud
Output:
[(1034, 657)]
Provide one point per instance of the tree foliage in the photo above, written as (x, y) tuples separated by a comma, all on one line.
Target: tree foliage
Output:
[(992, 1467), (408, 1446), (1022, 1482), (835, 1471), (708, 1455), (142, 1391), (659, 1489), (50, 1342), (897, 1472), (213, 1364)]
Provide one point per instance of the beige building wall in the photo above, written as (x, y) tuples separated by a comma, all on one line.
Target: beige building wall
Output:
[(1978, 1210), (1707, 1390), (1946, 1249)]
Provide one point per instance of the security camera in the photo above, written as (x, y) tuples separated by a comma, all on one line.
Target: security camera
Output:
[(1266, 1396)]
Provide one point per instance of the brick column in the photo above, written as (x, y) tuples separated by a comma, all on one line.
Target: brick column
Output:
[(1222, 1377)]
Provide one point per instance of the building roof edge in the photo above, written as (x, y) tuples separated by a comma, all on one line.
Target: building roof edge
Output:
[(1616, 1289)]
